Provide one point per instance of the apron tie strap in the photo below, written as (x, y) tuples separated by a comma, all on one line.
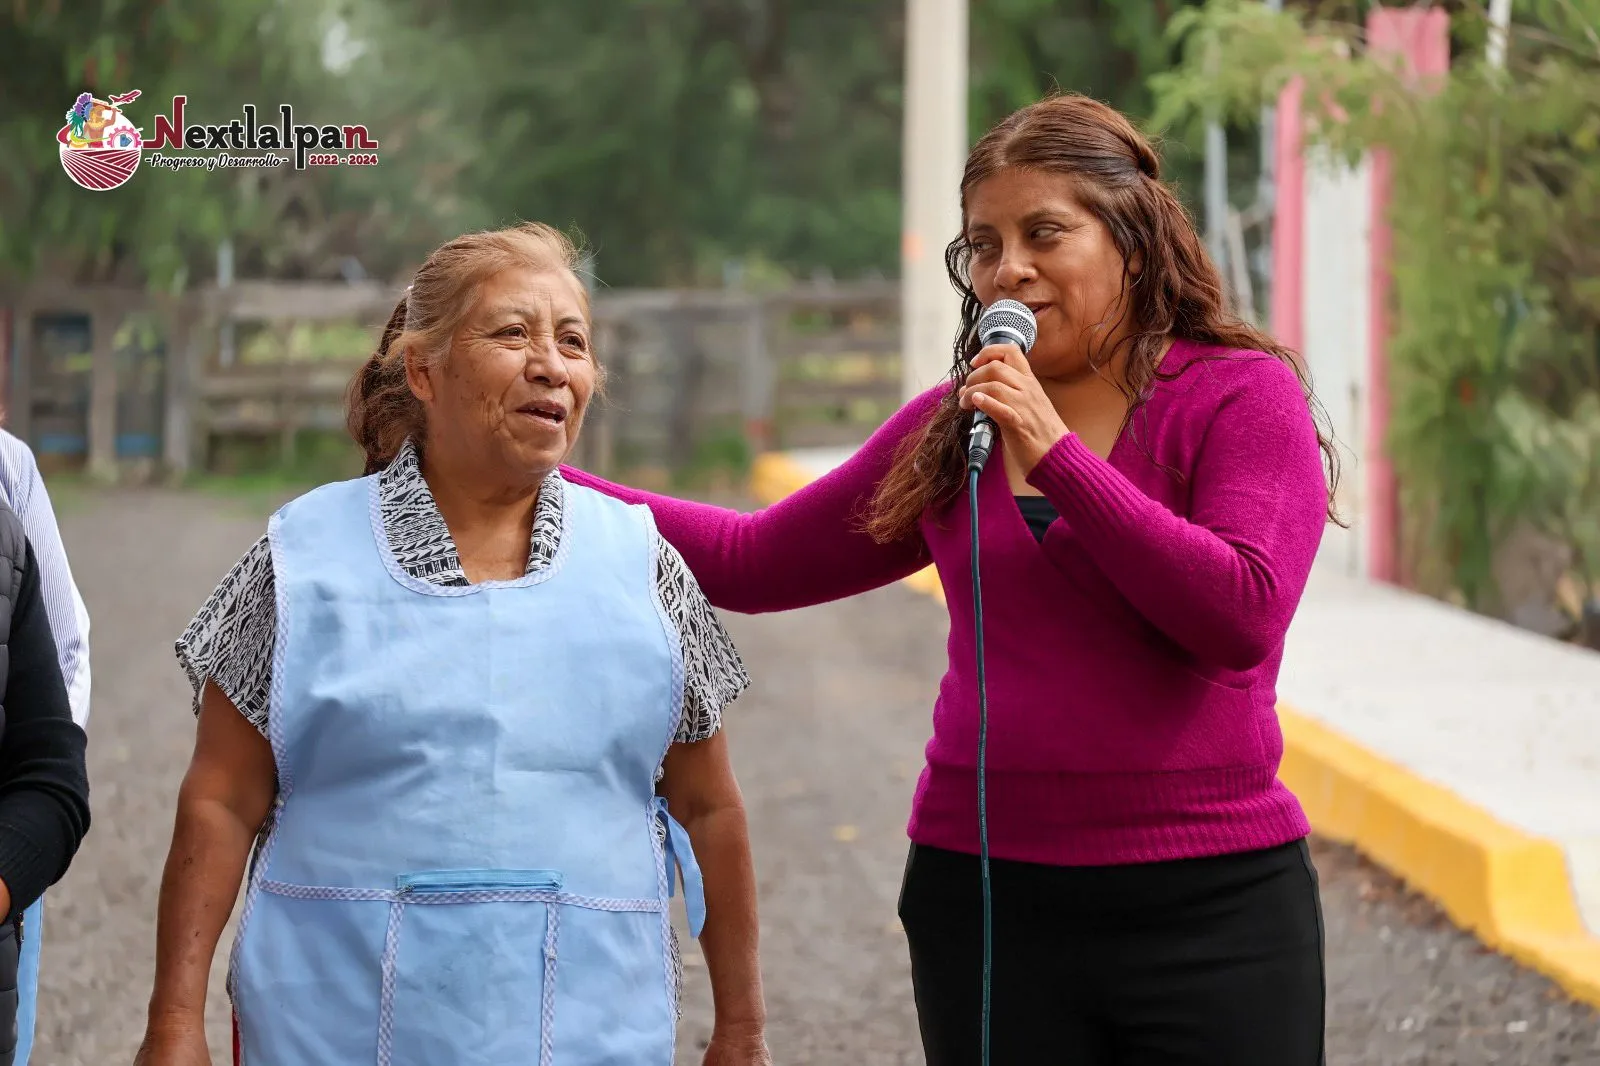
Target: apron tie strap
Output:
[(681, 854)]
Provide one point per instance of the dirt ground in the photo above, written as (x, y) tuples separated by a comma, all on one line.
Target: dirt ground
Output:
[(827, 744)]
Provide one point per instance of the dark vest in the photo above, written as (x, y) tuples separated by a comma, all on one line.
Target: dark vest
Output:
[(13, 558)]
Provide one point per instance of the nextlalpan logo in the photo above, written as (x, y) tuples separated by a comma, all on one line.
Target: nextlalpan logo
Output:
[(101, 148)]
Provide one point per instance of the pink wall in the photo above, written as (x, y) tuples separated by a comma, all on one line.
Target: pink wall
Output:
[(1421, 37), (1288, 220)]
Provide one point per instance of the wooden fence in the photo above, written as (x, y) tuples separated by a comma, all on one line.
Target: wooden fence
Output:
[(692, 376)]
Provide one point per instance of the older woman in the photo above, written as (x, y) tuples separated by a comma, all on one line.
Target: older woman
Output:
[(464, 705)]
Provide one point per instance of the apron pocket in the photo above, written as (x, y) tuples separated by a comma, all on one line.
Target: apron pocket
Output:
[(306, 979), (435, 882), (613, 991), (467, 968)]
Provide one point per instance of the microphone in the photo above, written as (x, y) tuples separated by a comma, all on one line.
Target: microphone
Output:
[(1002, 322)]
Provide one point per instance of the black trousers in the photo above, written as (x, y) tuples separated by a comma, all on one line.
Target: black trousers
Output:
[(1197, 962)]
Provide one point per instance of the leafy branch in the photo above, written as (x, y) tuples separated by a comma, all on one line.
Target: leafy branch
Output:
[(1495, 212)]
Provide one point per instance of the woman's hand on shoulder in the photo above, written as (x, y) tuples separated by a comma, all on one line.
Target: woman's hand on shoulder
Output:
[(737, 1046), (1003, 387)]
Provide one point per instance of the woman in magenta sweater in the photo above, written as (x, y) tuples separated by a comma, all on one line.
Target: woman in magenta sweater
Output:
[(1146, 538)]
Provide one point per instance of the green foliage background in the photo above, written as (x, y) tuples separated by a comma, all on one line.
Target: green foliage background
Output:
[(1495, 210), (697, 141), (681, 137)]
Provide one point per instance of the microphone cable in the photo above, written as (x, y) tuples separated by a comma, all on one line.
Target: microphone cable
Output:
[(1005, 321), (983, 751)]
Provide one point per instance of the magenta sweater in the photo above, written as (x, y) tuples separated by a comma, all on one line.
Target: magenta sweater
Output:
[(1132, 655)]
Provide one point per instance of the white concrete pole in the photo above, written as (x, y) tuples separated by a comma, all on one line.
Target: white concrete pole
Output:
[(1499, 28), (1216, 185), (934, 151), (1216, 196)]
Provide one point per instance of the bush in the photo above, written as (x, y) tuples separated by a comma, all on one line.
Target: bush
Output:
[(1495, 212)]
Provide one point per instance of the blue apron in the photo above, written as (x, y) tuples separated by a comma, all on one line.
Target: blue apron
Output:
[(467, 864)]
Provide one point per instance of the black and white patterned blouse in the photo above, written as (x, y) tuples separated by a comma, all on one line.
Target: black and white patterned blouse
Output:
[(230, 640)]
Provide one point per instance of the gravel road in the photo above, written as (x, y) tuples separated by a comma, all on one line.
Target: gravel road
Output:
[(827, 743)]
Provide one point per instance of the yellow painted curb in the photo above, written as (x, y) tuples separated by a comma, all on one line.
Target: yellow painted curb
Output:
[(1509, 888)]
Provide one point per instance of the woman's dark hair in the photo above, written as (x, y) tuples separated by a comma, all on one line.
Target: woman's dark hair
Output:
[(381, 412), (1177, 290)]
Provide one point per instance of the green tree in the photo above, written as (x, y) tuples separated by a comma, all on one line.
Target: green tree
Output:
[(1495, 213), (1109, 49), (163, 227), (676, 136)]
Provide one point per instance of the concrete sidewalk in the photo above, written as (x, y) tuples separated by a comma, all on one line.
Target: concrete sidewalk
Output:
[(1459, 752)]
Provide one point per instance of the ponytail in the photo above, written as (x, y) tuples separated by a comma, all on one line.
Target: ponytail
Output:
[(382, 412)]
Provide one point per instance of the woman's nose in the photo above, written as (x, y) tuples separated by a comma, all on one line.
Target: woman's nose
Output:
[(545, 363), (1015, 270)]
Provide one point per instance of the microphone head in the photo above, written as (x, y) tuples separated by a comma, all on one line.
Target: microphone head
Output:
[(1008, 322)]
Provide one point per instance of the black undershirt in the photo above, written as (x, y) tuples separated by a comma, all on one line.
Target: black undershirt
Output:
[(1038, 512), (44, 790)]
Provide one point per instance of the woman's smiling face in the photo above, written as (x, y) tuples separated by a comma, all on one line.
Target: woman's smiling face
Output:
[(519, 374)]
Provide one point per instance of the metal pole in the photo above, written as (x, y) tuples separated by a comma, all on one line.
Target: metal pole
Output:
[(759, 385), (225, 346), (1217, 195), (1499, 31), (934, 149), (1216, 182), (1267, 192)]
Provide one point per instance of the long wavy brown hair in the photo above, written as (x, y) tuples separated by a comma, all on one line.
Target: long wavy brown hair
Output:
[(1178, 291)]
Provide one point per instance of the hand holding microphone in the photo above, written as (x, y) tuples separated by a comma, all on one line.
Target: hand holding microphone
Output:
[(1003, 392)]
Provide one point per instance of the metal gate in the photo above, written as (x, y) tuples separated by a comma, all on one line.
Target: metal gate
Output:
[(60, 358)]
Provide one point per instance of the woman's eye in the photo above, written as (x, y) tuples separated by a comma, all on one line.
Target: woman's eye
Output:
[(513, 331), (576, 341), (1042, 232)]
